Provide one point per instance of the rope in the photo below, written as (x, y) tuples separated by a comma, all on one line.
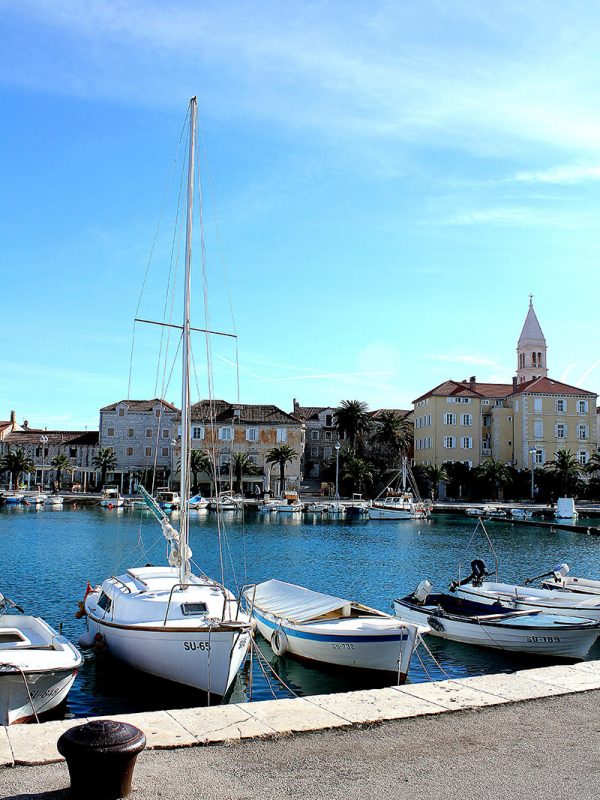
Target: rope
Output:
[(20, 671)]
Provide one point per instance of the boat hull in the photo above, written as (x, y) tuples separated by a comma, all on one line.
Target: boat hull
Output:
[(47, 689), (527, 599), (393, 513), (558, 642), (203, 659), (388, 652)]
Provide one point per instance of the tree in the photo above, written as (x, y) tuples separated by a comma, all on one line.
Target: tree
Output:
[(242, 465), (352, 418), (565, 469), (459, 479), (60, 462), (435, 475), (16, 462), (393, 433), (358, 471), (282, 454), (105, 460), (495, 473), (200, 461)]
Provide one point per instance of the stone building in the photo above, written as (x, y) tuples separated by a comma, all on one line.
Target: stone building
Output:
[(9, 425), (527, 420), (141, 433), (42, 447), (224, 429), (321, 436)]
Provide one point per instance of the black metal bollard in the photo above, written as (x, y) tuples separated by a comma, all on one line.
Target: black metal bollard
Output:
[(101, 756)]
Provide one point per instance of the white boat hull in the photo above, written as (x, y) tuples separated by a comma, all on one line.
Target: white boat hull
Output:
[(543, 641), (291, 509), (116, 502), (47, 690), (564, 604), (200, 659), (393, 513), (54, 501)]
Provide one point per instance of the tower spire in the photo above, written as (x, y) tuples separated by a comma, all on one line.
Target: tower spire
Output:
[(531, 348)]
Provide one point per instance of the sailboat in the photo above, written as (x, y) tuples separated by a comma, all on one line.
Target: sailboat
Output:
[(165, 620), (402, 504)]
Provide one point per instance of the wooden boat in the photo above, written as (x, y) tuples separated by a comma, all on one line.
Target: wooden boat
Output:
[(453, 617), (111, 498), (37, 666), (330, 630)]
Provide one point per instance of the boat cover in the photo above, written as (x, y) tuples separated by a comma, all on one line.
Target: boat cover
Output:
[(294, 603)]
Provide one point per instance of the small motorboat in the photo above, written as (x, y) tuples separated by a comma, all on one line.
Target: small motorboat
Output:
[(37, 665), (464, 620), (403, 506), (167, 499), (565, 509), (35, 499), (111, 497), (474, 511), (54, 500), (520, 513), (357, 507), (290, 503), (198, 503), (330, 630), (268, 506), (315, 508), (13, 498), (225, 502), (335, 509), (559, 579)]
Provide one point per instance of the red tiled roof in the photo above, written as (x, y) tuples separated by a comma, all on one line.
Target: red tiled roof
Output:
[(463, 389), (225, 412), (308, 412), (54, 437), (140, 405), (548, 386), (401, 412)]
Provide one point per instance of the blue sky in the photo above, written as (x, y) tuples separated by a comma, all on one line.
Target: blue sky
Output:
[(391, 181)]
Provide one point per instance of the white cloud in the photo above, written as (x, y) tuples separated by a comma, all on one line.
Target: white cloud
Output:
[(566, 174), (463, 359), (516, 217)]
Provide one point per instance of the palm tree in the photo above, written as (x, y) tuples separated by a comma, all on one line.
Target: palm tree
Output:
[(16, 462), (435, 475), (200, 461), (352, 418), (495, 472), (282, 455), (394, 433), (242, 465), (357, 470), (104, 460), (60, 462), (565, 469), (593, 464)]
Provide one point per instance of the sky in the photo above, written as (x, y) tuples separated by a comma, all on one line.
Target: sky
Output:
[(384, 185)]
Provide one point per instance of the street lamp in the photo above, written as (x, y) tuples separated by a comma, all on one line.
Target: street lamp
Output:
[(337, 470), (44, 442), (532, 453)]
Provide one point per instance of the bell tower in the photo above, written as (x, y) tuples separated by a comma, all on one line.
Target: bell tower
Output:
[(531, 349)]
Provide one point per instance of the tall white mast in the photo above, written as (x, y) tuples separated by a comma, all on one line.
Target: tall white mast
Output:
[(184, 568)]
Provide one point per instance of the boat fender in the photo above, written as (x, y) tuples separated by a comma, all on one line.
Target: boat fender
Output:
[(436, 624), (279, 642), (99, 643), (86, 640), (81, 612)]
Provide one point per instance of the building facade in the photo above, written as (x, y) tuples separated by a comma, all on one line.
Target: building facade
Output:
[(321, 436), (224, 430), (527, 420), (141, 434)]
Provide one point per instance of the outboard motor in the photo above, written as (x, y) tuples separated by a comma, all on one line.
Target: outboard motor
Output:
[(561, 571), (421, 593), (479, 571)]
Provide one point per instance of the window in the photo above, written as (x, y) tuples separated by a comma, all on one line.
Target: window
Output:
[(582, 457), (130, 433), (499, 403), (165, 433), (165, 451), (110, 431), (314, 435), (198, 432), (282, 434), (72, 452), (129, 451), (254, 458), (121, 412), (560, 406), (327, 452), (449, 441), (252, 434), (148, 451), (582, 431), (157, 413), (192, 609), (314, 452), (537, 404), (466, 442), (225, 459), (329, 420), (226, 433), (328, 435), (582, 406), (539, 457), (509, 419), (148, 433), (538, 429), (466, 419), (104, 602), (487, 420), (560, 430), (449, 419)]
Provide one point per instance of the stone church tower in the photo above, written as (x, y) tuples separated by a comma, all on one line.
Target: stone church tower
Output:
[(531, 349)]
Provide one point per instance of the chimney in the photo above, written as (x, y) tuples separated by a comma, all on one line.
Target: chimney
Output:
[(13, 417), (472, 383), (25, 424), (296, 406)]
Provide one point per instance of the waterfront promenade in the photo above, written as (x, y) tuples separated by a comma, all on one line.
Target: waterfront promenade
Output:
[(498, 736)]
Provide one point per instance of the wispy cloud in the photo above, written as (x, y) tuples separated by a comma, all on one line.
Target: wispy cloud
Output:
[(516, 217), (586, 373), (463, 358), (565, 174)]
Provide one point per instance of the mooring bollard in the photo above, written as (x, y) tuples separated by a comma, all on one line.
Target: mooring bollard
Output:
[(101, 756)]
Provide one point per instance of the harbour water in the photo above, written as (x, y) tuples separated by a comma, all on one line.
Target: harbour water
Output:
[(48, 556)]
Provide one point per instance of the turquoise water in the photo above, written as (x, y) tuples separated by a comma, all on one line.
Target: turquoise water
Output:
[(48, 556)]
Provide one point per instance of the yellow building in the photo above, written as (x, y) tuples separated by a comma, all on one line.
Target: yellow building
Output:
[(529, 419)]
